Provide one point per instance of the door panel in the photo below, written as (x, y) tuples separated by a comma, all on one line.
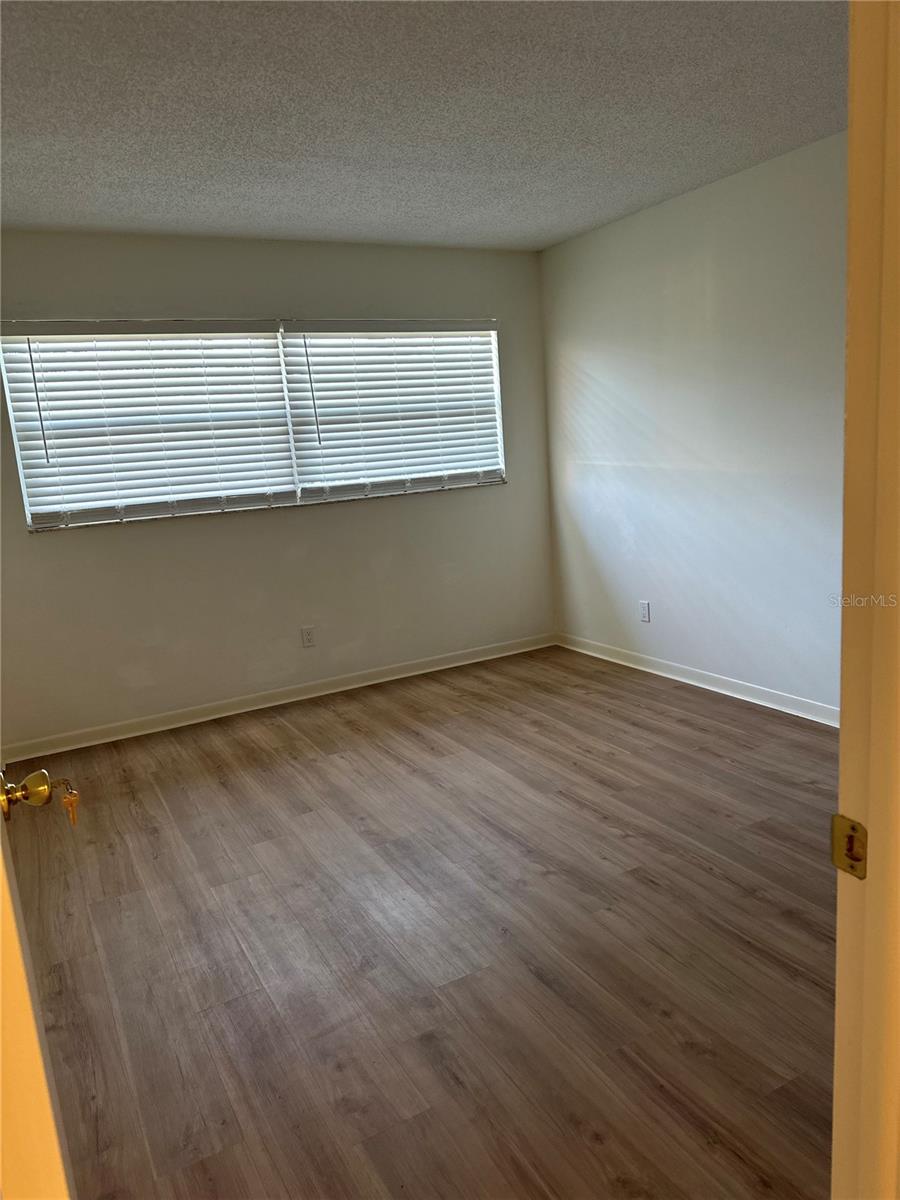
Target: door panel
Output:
[(867, 1031), (31, 1160)]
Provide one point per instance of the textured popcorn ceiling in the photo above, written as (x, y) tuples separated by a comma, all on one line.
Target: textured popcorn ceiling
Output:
[(466, 124)]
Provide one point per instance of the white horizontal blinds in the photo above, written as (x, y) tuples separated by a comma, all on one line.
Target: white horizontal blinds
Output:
[(122, 425), (377, 413), (119, 426)]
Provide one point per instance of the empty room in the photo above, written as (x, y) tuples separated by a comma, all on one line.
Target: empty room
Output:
[(449, 525)]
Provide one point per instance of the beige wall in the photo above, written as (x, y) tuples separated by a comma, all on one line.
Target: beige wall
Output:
[(114, 624), (695, 393)]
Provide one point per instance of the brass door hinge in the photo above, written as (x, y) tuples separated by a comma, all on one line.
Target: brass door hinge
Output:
[(849, 842)]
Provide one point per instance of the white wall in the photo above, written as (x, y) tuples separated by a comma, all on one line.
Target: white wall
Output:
[(116, 624), (694, 378), (695, 391)]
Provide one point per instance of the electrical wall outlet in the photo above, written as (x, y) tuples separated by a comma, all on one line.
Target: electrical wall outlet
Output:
[(307, 636), (645, 610)]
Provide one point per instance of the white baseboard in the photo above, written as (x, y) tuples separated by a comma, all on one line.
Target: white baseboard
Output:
[(77, 738), (825, 714)]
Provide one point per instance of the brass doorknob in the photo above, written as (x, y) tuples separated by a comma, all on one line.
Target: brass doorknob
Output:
[(36, 789)]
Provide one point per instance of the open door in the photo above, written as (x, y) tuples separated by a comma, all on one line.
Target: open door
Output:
[(31, 1160), (866, 1163)]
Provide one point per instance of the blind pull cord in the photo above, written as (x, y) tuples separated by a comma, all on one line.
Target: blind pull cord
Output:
[(279, 337), (312, 390), (37, 396)]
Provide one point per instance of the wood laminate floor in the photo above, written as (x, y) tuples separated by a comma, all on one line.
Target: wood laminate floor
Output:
[(539, 927)]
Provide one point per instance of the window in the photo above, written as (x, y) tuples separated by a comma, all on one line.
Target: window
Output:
[(133, 423)]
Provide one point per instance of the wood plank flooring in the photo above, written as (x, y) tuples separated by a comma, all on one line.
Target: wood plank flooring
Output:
[(541, 927)]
